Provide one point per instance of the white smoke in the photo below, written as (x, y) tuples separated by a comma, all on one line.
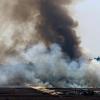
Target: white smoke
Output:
[(52, 67), (49, 67)]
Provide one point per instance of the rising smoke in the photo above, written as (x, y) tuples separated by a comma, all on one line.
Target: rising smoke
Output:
[(57, 26), (39, 46)]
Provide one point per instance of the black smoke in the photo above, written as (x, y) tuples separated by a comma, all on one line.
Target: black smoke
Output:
[(55, 25)]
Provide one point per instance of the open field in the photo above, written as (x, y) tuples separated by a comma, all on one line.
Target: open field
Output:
[(60, 94)]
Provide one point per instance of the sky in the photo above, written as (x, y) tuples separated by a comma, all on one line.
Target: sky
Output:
[(87, 13)]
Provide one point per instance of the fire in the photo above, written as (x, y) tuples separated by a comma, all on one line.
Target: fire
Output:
[(44, 89)]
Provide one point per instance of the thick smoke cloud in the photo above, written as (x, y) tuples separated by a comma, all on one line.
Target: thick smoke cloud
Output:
[(50, 69), (57, 26), (39, 46), (52, 22)]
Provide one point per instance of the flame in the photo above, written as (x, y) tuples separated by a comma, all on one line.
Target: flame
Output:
[(44, 89)]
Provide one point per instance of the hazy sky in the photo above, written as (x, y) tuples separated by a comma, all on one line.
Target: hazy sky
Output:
[(88, 14)]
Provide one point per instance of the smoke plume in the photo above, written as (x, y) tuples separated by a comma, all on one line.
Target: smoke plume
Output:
[(57, 26), (39, 46)]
